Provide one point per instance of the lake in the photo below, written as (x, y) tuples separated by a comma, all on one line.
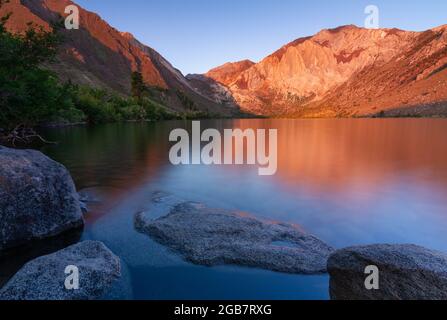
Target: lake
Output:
[(349, 182)]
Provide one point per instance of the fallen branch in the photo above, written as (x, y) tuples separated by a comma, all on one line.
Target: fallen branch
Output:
[(41, 139), (24, 135)]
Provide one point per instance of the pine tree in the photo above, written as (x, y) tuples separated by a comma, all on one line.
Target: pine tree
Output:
[(137, 85)]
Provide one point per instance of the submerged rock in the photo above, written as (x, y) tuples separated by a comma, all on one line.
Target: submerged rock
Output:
[(215, 237), (406, 272), (44, 278), (37, 198)]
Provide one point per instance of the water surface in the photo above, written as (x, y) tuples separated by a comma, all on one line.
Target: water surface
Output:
[(349, 182)]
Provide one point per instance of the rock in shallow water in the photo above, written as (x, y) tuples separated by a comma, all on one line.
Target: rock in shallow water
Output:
[(406, 272), (38, 198), (44, 277), (215, 237)]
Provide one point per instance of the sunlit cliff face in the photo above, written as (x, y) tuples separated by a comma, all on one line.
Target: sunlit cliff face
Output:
[(100, 48), (344, 72)]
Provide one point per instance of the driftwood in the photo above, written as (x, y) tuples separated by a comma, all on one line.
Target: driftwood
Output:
[(23, 135)]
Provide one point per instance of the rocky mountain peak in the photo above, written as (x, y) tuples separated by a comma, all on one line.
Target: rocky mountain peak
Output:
[(227, 73), (99, 55), (307, 70)]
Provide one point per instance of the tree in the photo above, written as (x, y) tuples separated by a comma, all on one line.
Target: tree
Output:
[(138, 86), (28, 93)]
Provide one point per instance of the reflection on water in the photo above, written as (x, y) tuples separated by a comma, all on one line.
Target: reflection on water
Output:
[(362, 153), (347, 181)]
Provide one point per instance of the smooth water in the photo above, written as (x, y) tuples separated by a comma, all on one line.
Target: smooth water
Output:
[(349, 182)]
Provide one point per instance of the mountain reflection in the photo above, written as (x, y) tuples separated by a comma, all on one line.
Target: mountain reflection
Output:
[(347, 160)]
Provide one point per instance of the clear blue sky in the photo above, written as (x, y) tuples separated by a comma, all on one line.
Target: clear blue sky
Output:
[(196, 35)]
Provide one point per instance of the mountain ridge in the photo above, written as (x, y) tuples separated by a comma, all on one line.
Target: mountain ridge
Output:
[(346, 71), (99, 55), (309, 76)]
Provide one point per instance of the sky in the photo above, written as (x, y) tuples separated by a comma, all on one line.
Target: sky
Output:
[(197, 35)]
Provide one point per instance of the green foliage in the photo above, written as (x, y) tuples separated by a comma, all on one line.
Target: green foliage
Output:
[(137, 85), (100, 106), (198, 115), (28, 93), (31, 96)]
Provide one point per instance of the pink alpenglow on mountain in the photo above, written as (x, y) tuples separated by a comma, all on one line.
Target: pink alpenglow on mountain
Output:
[(98, 55), (229, 72), (343, 72), (347, 71)]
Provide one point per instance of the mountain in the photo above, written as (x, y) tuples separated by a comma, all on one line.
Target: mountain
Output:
[(412, 83), (342, 72), (214, 84), (101, 56), (347, 71), (229, 72)]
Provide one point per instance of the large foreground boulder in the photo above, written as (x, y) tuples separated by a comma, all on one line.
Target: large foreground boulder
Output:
[(215, 237), (406, 272), (38, 198), (44, 278)]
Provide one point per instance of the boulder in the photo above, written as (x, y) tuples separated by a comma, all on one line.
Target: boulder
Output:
[(44, 278), (406, 272), (13, 260), (38, 198), (212, 237)]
